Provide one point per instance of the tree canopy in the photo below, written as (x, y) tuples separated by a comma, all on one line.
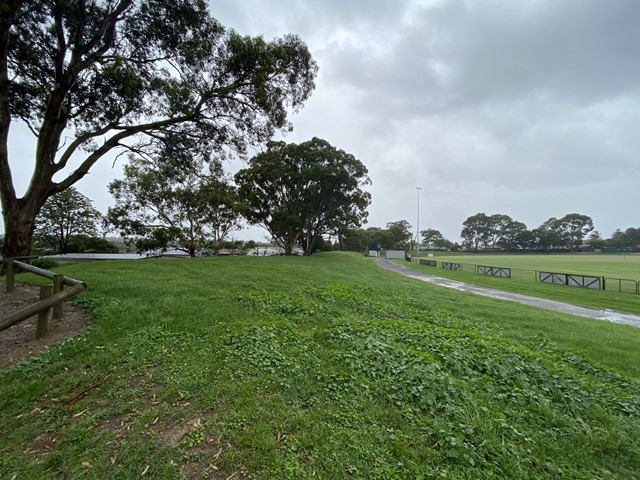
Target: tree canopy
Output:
[(398, 235), (299, 192), (499, 230), (88, 78), (433, 239), (574, 227), (65, 215), (476, 231), (172, 202), (629, 238)]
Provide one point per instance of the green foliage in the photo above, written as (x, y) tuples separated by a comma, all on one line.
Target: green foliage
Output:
[(354, 240), (493, 231), (318, 367), (45, 263), (98, 71), (502, 231), (84, 243), (574, 227), (570, 229), (475, 231), (432, 238), (398, 235), (629, 238), (299, 192), (65, 216), (171, 201)]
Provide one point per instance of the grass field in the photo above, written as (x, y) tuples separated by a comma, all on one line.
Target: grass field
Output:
[(524, 269), (321, 367), (608, 265)]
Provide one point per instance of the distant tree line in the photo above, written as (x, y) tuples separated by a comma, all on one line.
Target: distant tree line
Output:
[(290, 190), (498, 232), (630, 238), (481, 232), (396, 236)]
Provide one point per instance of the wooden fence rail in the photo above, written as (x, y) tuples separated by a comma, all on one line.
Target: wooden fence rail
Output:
[(47, 300)]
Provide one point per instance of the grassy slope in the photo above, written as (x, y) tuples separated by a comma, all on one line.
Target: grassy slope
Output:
[(323, 366)]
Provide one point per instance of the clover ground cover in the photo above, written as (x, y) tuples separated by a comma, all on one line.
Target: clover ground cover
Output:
[(320, 367)]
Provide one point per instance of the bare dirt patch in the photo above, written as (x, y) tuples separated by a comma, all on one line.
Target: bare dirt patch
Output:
[(20, 340)]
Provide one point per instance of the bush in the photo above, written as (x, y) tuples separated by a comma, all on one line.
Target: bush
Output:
[(45, 263)]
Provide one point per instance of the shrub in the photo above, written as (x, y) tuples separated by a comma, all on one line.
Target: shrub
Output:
[(45, 263)]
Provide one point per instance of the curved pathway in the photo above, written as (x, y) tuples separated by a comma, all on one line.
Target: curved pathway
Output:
[(609, 315)]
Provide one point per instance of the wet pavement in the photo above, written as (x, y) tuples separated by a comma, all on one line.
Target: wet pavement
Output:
[(609, 315)]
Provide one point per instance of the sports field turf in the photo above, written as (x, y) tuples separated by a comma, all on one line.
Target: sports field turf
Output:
[(608, 265)]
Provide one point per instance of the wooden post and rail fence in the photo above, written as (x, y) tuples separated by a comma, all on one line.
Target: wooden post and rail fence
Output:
[(51, 296)]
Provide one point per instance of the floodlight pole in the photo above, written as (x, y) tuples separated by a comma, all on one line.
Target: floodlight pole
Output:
[(418, 232)]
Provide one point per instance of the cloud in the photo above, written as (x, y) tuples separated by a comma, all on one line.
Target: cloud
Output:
[(457, 54), (495, 103), (527, 107)]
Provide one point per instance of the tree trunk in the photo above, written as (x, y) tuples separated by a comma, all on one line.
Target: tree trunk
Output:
[(62, 247), (19, 214), (19, 223), (310, 240)]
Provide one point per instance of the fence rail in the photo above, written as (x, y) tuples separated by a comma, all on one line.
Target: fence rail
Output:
[(451, 266), (596, 282), (51, 297), (428, 263), (622, 285), (573, 280), (494, 271)]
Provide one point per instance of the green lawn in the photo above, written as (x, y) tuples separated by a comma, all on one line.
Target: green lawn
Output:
[(608, 265), (523, 276), (321, 367)]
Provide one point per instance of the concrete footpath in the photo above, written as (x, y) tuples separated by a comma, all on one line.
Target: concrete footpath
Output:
[(609, 315)]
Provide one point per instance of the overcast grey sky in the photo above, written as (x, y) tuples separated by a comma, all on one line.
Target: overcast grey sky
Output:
[(529, 108)]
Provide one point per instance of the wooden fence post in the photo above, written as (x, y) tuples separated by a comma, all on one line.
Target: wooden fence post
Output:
[(58, 285), (43, 317), (11, 279)]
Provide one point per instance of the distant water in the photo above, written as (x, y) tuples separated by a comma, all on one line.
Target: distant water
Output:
[(97, 256)]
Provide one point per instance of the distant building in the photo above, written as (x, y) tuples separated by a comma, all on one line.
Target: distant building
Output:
[(229, 252), (272, 251)]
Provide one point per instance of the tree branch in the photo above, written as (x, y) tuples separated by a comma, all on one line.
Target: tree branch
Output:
[(7, 17), (106, 30), (61, 48), (113, 142)]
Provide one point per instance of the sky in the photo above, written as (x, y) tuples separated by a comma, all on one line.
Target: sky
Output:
[(528, 108)]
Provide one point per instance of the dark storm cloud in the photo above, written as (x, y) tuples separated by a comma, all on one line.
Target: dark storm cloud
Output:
[(497, 101), (523, 107), (458, 54)]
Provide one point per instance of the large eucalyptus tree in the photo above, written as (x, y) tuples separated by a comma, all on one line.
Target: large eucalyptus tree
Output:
[(92, 76), (300, 192)]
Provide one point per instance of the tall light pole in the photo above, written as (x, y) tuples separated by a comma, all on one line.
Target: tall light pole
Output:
[(418, 232)]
